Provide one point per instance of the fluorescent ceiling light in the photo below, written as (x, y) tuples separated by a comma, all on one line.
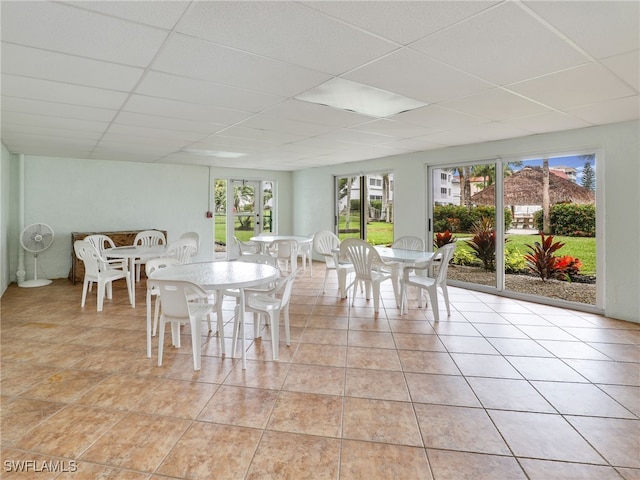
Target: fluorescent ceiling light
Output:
[(359, 98), (212, 153)]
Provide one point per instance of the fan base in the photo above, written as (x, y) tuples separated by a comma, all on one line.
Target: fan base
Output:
[(41, 282)]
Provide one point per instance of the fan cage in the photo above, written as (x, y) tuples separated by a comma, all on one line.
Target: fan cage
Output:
[(37, 237)]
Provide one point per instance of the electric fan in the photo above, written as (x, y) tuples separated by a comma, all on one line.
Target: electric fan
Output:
[(36, 238)]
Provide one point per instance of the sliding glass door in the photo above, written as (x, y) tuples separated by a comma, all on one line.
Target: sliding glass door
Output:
[(455, 217), (364, 206), (524, 226)]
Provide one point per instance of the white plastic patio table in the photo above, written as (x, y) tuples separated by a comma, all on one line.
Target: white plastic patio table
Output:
[(216, 276), (131, 253), (265, 240), (402, 257)]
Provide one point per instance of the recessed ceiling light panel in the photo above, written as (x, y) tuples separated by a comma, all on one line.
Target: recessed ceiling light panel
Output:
[(212, 153), (359, 98)]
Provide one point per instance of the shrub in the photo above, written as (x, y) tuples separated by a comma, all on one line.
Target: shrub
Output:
[(570, 219), (443, 238), (567, 267), (462, 256), (483, 243), (541, 259), (456, 218), (514, 262)]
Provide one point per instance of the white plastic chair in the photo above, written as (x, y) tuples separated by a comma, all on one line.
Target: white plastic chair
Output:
[(178, 310), (304, 253), (96, 270), (147, 238), (271, 305), (246, 248), (286, 252), (182, 250), (325, 244), (409, 243), (369, 268), (195, 236), (101, 243), (151, 266), (441, 259), (234, 293)]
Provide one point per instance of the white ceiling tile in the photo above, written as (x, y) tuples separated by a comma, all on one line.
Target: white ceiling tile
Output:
[(354, 136), (451, 138), (402, 22), (502, 45), (243, 133), (392, 127), (571, 88), (436, 117), (53, 122), (38, 107), (14, 86), (37, 63), (413, 75), (602, 28), (284, 125), (548, 122), (266, 28), (124, 138), (625, 66), (153, 133), (495, 131), (67, 29), (298, 110), (496, 104), (207, 61), (156, 121), (162, 14), (183, 110), (202, 92), (11, 130), (612, 111)]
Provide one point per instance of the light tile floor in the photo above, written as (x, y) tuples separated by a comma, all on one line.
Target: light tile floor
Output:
[(501, 389)]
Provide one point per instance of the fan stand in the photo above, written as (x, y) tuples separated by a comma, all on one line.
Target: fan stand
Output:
[(36, 282)]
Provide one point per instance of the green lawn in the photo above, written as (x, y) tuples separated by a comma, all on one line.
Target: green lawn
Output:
[(583, 248)]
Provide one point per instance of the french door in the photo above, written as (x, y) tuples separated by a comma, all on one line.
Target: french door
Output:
[(244, 208)]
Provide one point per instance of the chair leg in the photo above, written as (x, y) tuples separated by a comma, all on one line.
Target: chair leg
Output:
[(376, 297), (445, 294), (195, 342), (287, 330), (156, 316), (85, 287), (433, 295), (100, 293), (274, 317), (324, 282), (160, 341)]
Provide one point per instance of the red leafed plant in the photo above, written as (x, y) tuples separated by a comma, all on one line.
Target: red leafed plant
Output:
[(567, 267), (541, 259), (442, 238)]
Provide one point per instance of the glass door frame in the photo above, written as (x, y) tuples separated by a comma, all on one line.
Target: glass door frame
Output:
[(498, 220)]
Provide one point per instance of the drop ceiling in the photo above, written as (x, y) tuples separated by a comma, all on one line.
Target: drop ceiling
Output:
[(144, 81)]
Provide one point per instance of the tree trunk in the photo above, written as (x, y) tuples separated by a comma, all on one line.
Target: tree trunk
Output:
[(546, 203)]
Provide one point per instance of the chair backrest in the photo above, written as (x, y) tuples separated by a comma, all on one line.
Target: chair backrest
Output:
[(259, 258), (285, 249), (362, 255), (92, 260), (285, 287), (409, 243), (100, 242), (245, 248), (195, 236), (149, 238), (157, 263), (182, 250), (324, 242), (442, 257), (173, 294)]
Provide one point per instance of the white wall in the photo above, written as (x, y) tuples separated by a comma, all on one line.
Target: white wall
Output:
[(78, 195), (618, 172), (5, 216)]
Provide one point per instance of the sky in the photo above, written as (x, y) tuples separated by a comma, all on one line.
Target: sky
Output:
[(576, 162)]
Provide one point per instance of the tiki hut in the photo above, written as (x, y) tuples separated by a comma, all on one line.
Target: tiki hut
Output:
[(524, 187)]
